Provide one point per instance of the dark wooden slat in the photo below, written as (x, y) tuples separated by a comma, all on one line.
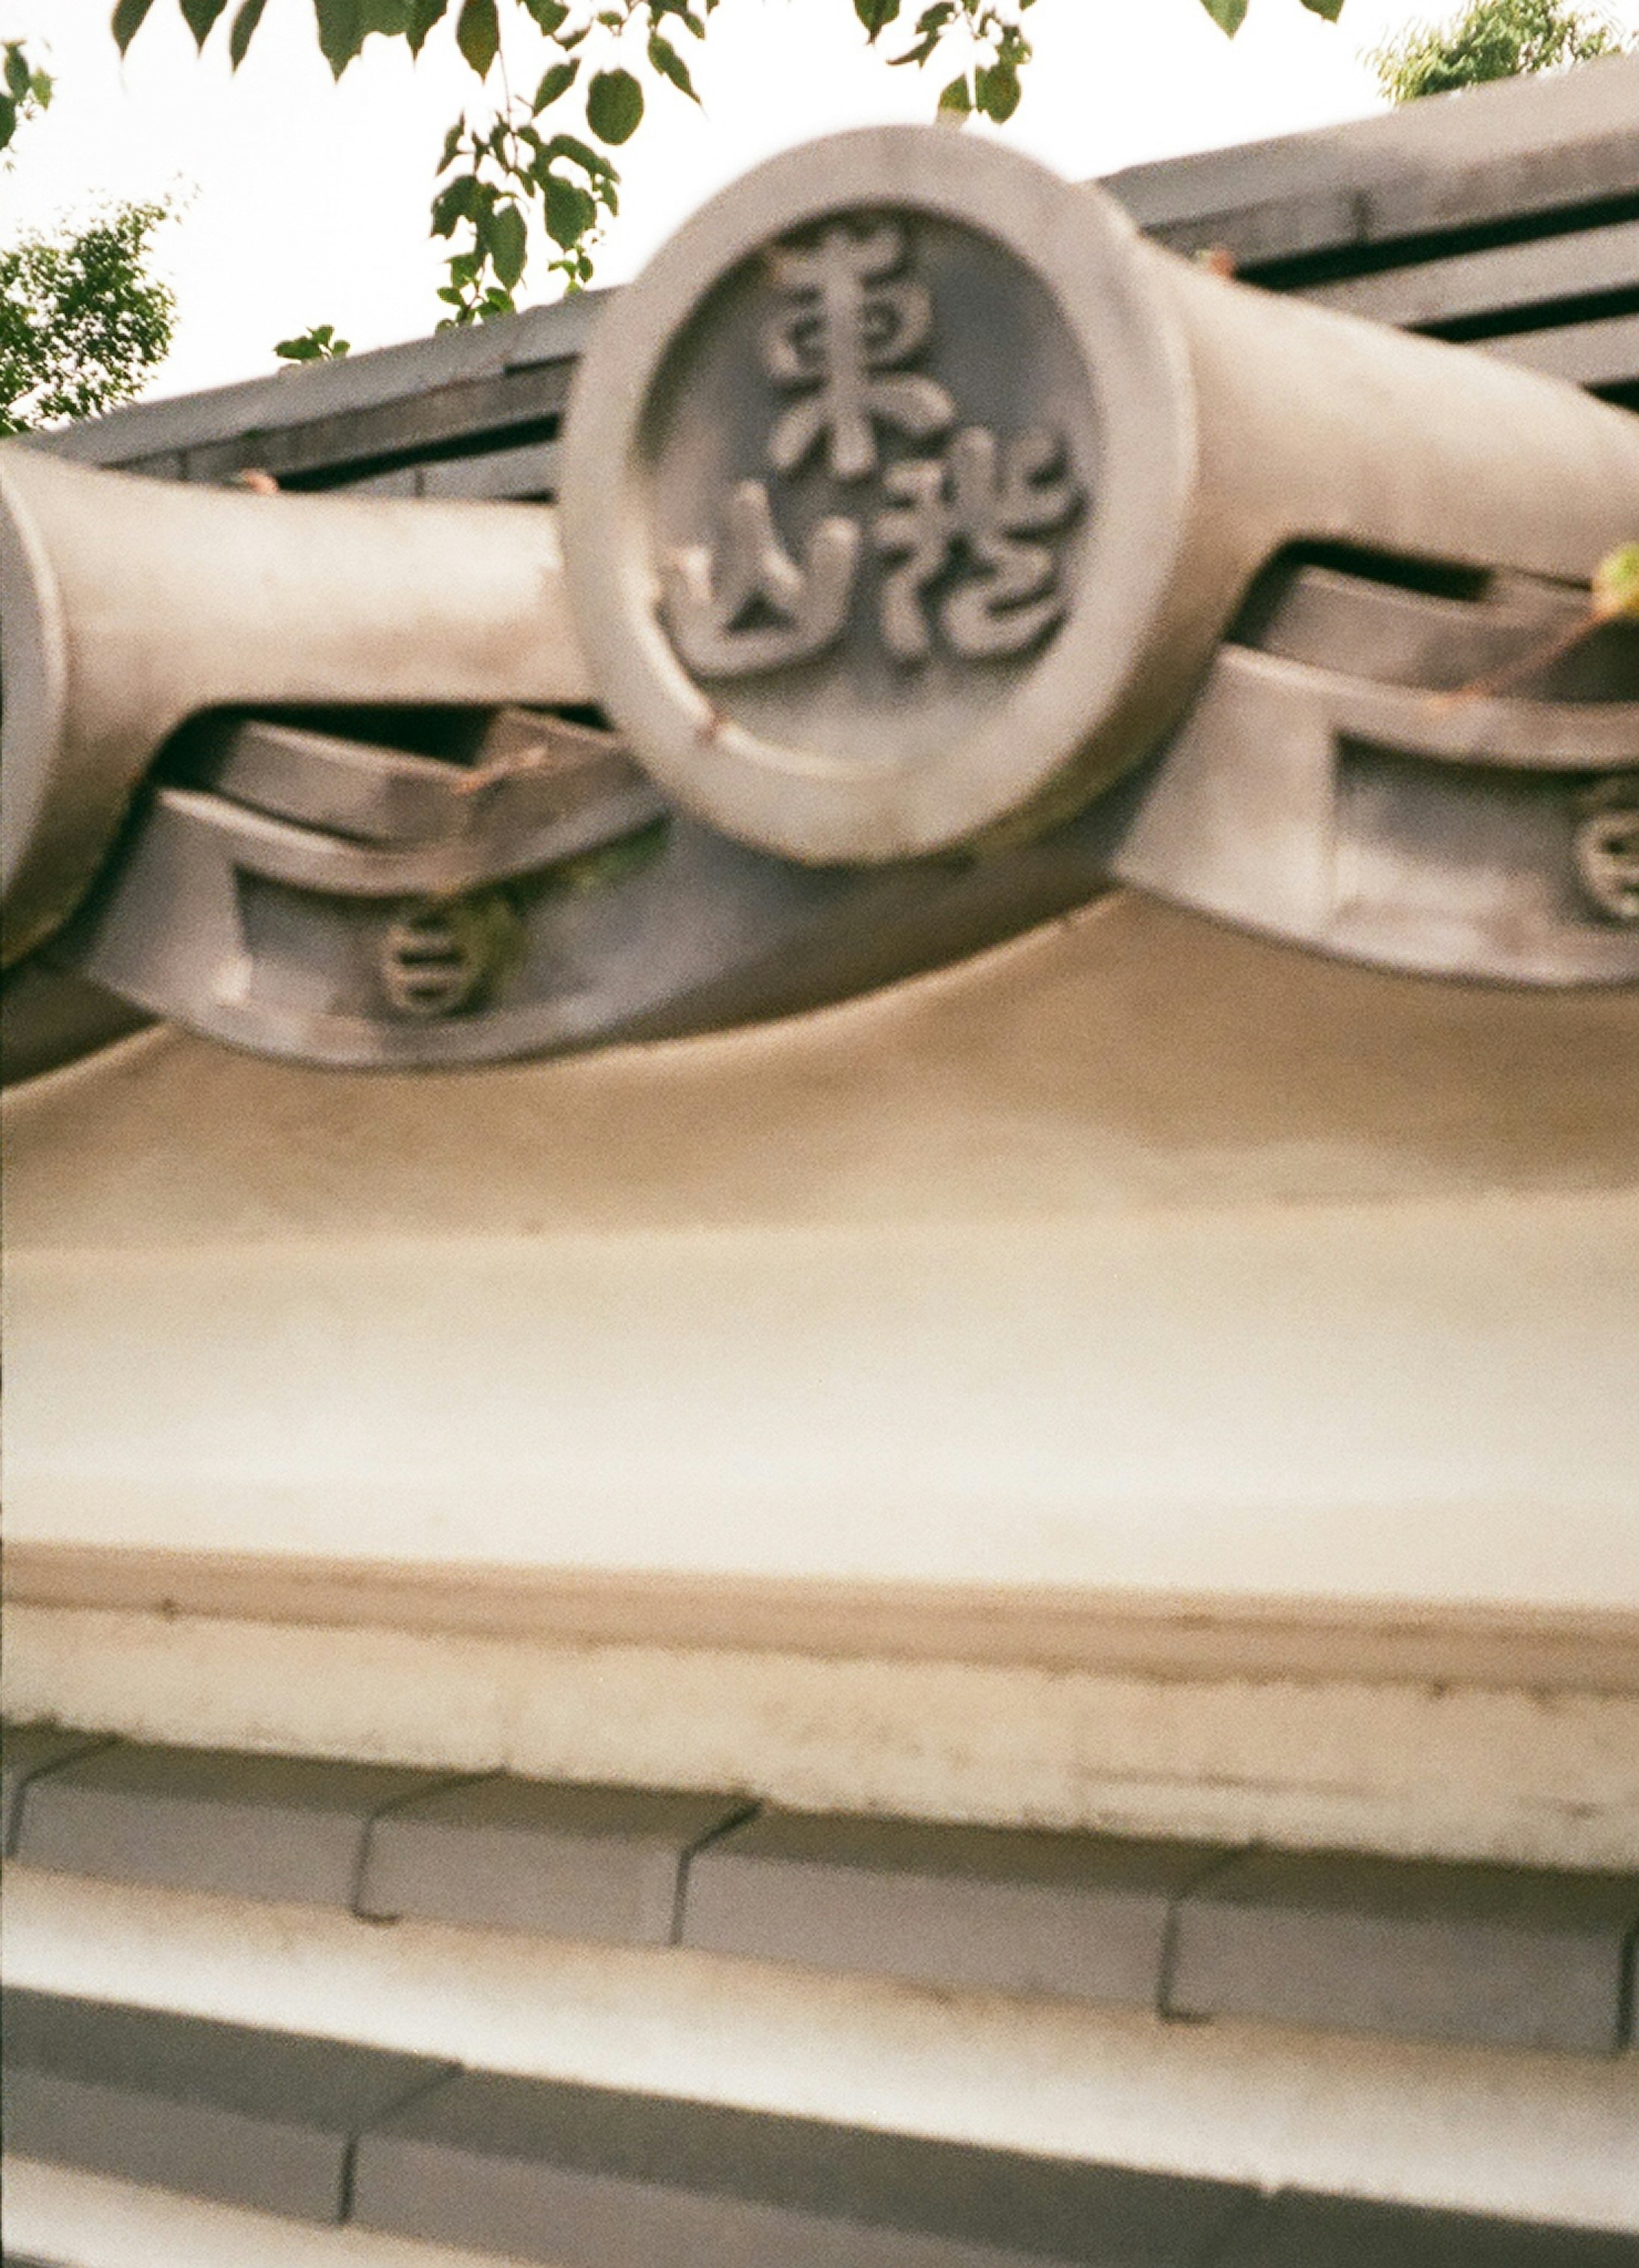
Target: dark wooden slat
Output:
[(1296, 2231), (586, 2177), (530, 471), (1520, 147), (264, 2119), (1603, 354), (1498, 1956), (1082, 1916), (409, 430), (600, 1863), (149, 430), (205, 1819), (1499, 281)]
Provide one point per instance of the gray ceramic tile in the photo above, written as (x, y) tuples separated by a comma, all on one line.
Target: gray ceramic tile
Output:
[(265, 2119), (1500, 1957), (594, 2179), (1081, 1915), (574, 1861), (202, 1819), (27, 1752), (1295, 2231)]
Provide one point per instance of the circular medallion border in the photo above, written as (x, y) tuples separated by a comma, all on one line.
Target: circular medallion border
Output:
[(1037, 748)]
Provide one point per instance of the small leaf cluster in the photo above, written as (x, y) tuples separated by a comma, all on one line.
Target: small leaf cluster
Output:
[(83, 323), (994, 40), (499, 174), (497, 170), (24, 89), (1490, 39), (318, 344), (514, 170), (1229, 15), (518, 163)]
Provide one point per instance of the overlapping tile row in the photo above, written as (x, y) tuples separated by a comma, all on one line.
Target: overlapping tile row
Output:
[(474, 413), (1493, 1956), (1505, 218), (589, 2178)]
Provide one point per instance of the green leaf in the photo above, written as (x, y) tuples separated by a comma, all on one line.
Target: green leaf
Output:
[(127, 21), (341, 31), (997, 91), (388, 17), (458, 202), (570, 212), (199, 16), (244, 30), (875, 15), (614, 106), (671, 65), (582, 154), (1330, 9), (549, 14), (557, 81), (1616, 585), (17, 78), (955, 101), (508, 241), (1228, 15), (478, 34), (451, 145), (8, 120), (419, 18), (319, 344)]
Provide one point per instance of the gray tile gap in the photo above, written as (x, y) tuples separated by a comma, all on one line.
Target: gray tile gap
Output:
[(442, 2077), (1627, 1992), (44, 1771), (680, 1895), (436, 1784), (1245, 2216), (1174, 1923)]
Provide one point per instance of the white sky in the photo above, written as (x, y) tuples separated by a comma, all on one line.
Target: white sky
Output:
[(306, 201)]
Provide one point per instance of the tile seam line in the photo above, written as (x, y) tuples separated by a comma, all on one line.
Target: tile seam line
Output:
[(749, 1809), (1628, 1993), (436, 1784), (449, 2070), (443, 2075), (1171, 1929), (44, 1771)]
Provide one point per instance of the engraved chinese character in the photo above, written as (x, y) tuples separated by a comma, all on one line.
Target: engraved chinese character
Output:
[(719, 611), (1605, 846), (851, 327), (980, 499)]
